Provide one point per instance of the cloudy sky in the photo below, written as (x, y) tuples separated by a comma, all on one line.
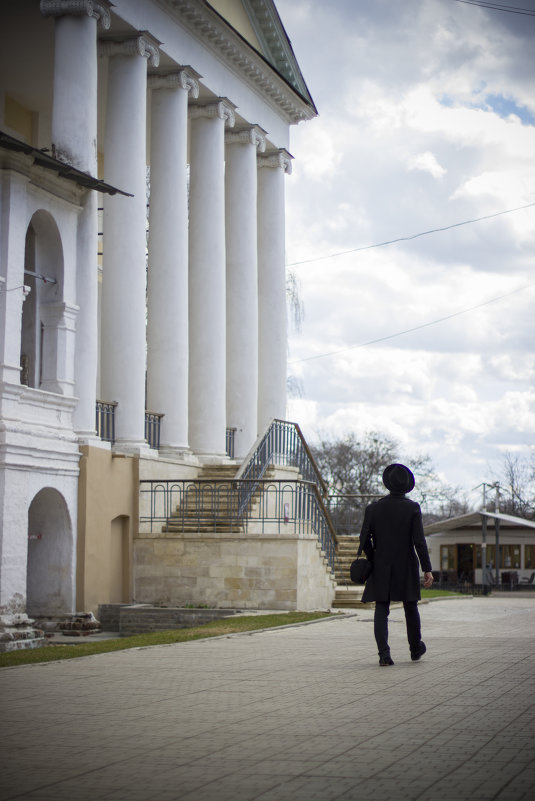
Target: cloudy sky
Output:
[(426, 119)]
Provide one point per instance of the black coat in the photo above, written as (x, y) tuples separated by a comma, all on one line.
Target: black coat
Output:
[(392, 534)]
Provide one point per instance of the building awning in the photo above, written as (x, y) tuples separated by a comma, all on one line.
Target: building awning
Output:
[(474, 518), (42, 159)]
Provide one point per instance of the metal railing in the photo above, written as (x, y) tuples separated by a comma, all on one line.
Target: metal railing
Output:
[(347, 512), (153, 421), (230, 436), (105, 423), (206, 506), (282, 444), (105, 420)]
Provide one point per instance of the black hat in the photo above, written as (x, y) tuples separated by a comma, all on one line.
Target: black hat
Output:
[(398, 478)]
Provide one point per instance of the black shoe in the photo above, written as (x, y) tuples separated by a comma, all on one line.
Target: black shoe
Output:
[(385, 660), (420, 651)]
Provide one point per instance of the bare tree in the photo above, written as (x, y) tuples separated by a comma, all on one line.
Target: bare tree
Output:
[(353, 468), (517, 480)]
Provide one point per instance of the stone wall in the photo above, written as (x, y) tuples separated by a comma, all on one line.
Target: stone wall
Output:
[(284, 571), (127, 619)]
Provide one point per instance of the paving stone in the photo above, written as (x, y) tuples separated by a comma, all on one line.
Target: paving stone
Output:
[(300, 713)]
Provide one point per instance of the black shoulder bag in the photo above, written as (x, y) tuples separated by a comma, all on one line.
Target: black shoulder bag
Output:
[(360, 569)]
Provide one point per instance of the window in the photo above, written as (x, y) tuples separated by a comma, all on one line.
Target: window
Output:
[(448, 557), (509, 556), (529, 556)]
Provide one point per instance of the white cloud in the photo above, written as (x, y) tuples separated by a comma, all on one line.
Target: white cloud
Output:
[(426, 162), (407, 140)]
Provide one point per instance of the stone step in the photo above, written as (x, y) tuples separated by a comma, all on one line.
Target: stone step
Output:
[(349, 597), (193, 528), (218, 472)]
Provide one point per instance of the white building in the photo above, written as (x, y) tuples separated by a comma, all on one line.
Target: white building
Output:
[(461, 547), (189, 324)]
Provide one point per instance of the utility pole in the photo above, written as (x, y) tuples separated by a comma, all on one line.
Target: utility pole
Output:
[(497, 530), (484, 543)]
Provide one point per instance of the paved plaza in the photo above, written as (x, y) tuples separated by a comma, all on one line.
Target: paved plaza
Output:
[(295, 714)]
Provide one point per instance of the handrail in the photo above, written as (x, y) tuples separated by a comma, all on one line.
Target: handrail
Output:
[(231, 501), (284, 443), (208, 505)]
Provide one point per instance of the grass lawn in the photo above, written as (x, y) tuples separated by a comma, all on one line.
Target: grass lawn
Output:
[(229, 625), (439, 594)]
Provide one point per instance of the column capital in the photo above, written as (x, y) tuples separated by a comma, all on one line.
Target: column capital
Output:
[(79, 8), (221, 108), (185, 78), (277, 158), (248, 135), (143, 45)]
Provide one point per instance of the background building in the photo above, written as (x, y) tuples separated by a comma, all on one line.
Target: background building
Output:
[(461, 547)]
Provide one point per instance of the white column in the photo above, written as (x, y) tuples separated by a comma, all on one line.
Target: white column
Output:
[(167, 297), (13, 293), (74, 136), (272, 353), (207, 304), (125, 223), (242, 284)]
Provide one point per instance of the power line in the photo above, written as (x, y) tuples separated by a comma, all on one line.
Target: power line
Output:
[(499, 7), (416, 328), (408, 238)]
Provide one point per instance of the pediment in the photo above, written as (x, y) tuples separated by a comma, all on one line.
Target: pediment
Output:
[(259, 23)]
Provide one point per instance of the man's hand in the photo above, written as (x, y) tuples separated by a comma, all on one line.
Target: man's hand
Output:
[(428, 580)]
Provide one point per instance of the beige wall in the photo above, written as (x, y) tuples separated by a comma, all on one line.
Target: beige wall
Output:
[(107, 511), (226, 571), (108, 517)]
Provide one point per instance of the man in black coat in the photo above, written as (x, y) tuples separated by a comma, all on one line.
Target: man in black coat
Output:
[(392, 534)]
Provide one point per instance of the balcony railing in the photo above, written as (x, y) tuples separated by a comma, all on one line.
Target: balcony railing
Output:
[(230, 438), (153, 421), (105, 423), (105, 420)]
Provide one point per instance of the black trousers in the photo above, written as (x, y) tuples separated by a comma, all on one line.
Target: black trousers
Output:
[(380, 625)]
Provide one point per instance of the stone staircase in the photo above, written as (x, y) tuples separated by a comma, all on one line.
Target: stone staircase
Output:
[(205, 510), (348, 595)]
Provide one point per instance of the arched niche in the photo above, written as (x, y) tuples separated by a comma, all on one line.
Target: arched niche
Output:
[(49, 577), (46, 320)]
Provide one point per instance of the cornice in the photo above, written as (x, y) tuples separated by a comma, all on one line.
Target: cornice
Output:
[(270, 32), (41, 179), (208, 27)]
